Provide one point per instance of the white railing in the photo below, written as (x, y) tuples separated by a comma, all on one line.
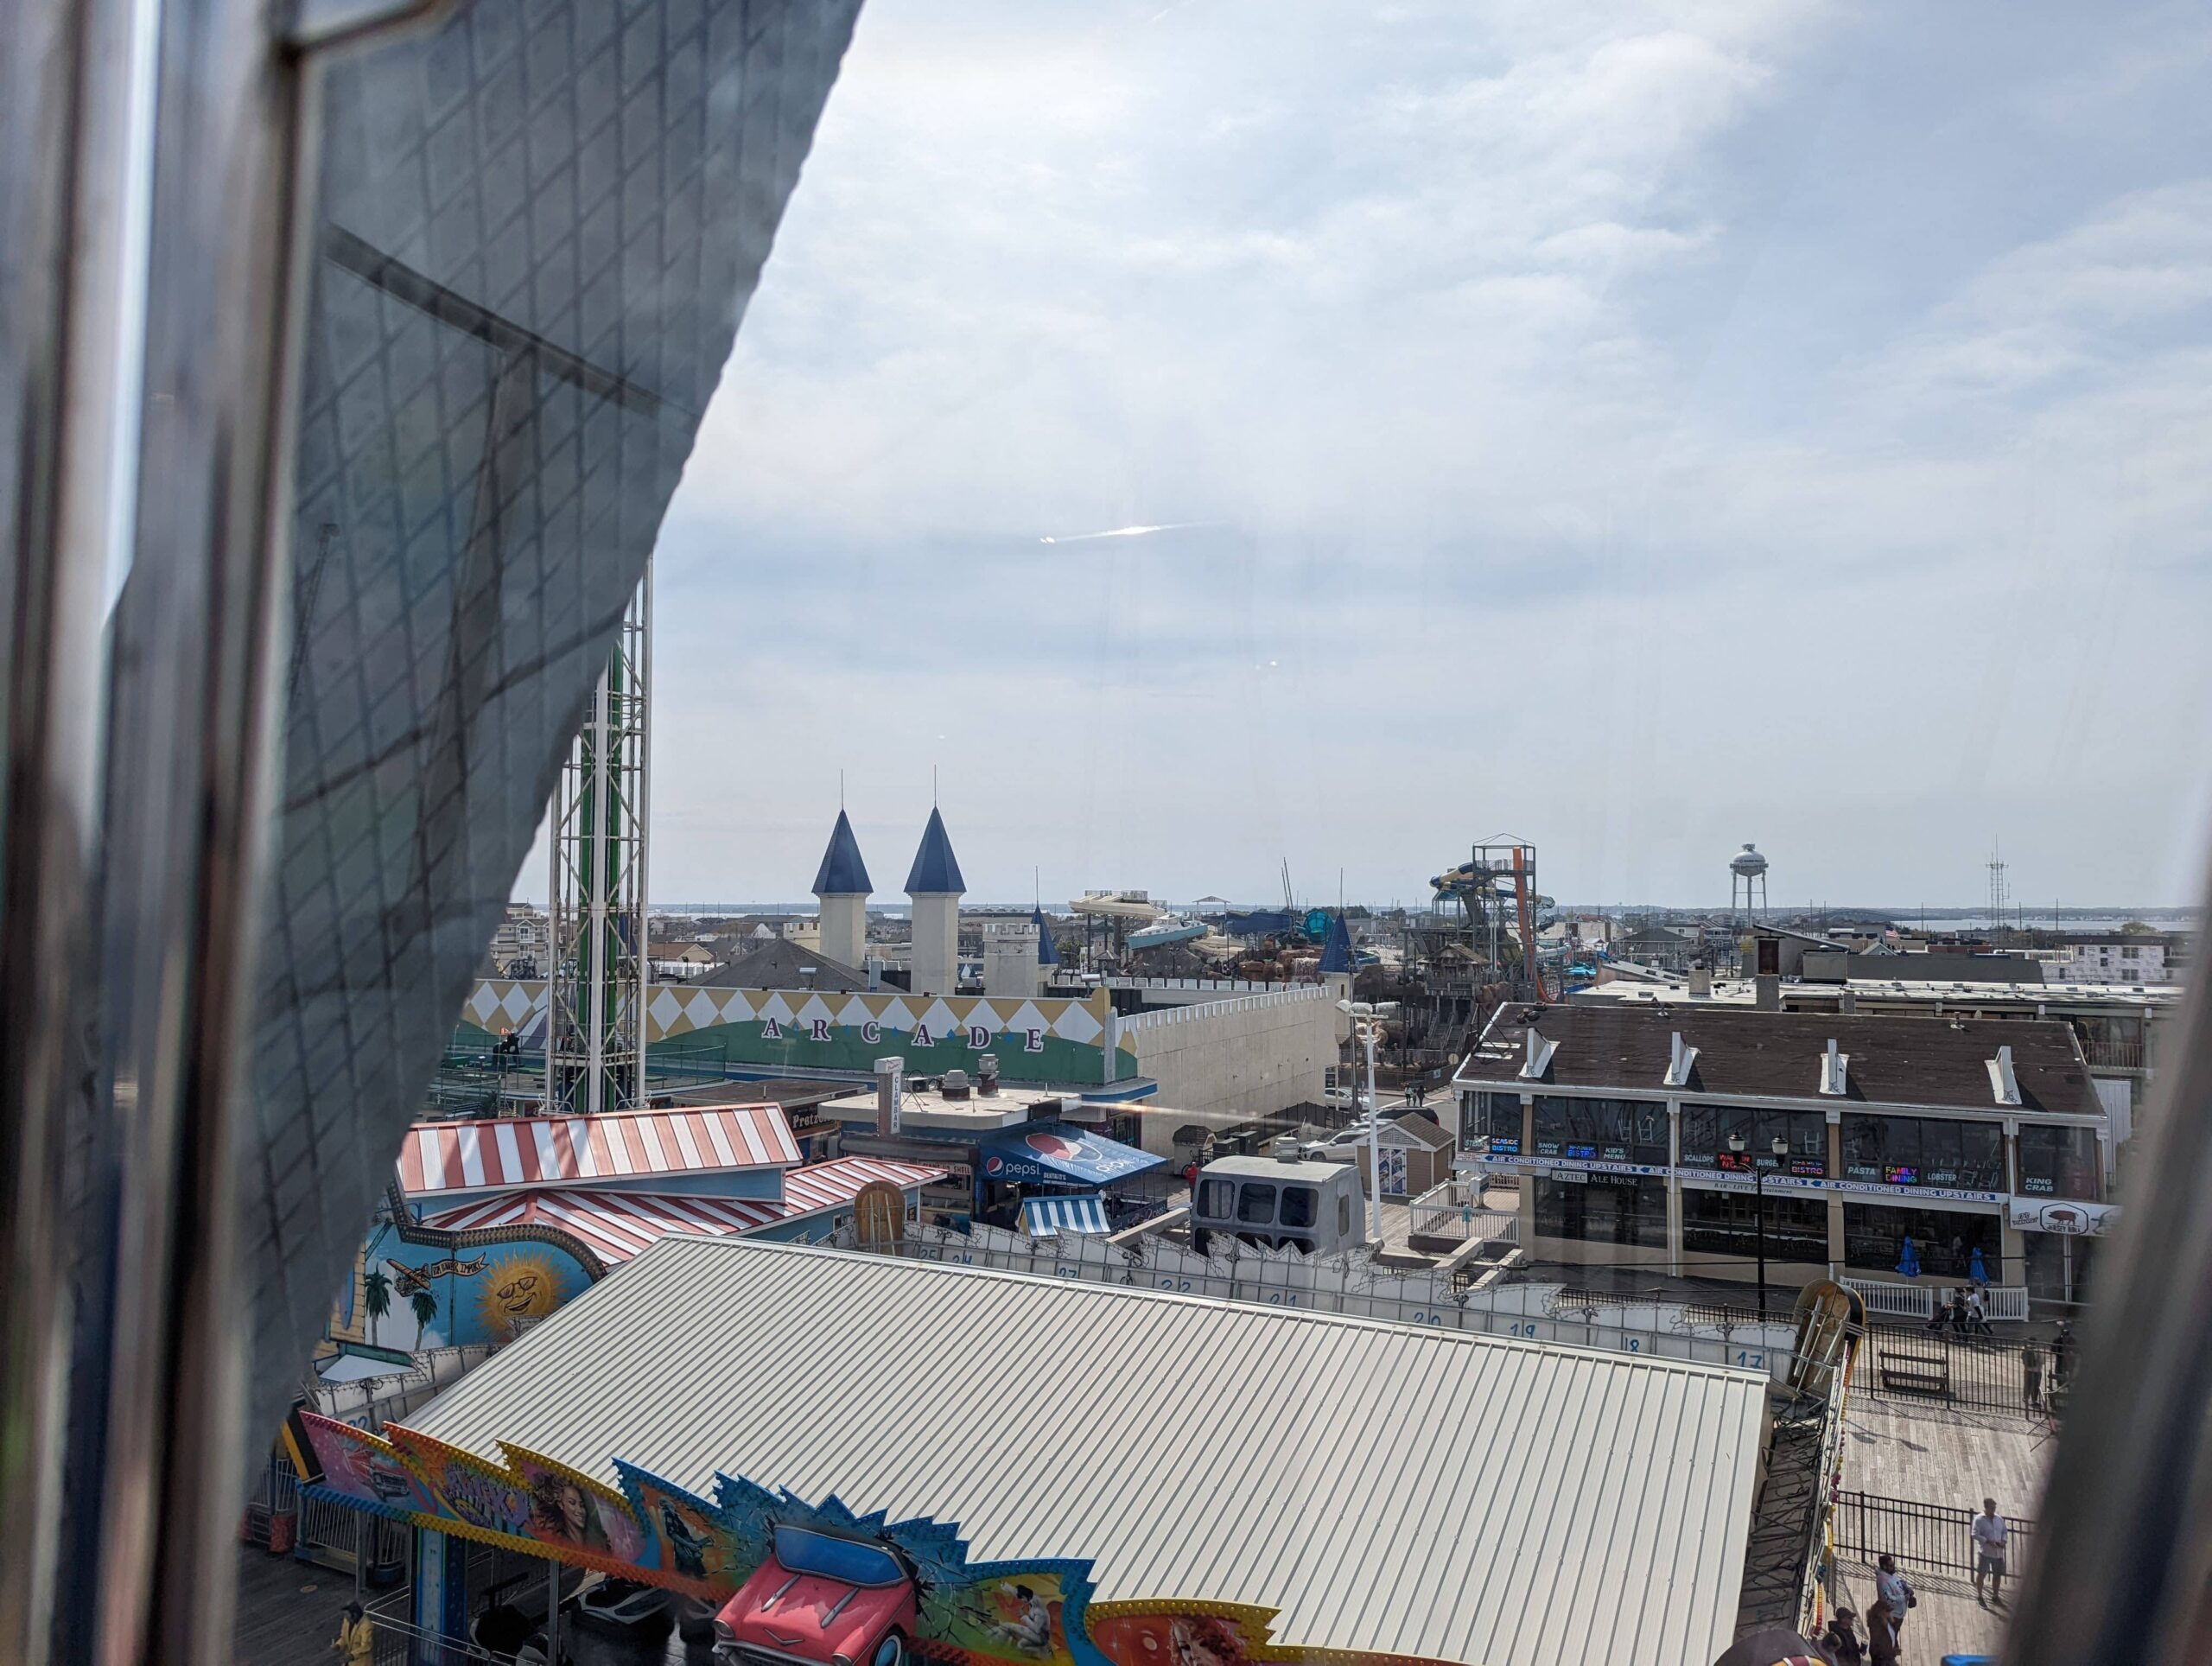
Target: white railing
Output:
[(1227, 985), (1454, 1210), (1349, 1284), (1894, 1301), (368, 1402), (1160, 1015)]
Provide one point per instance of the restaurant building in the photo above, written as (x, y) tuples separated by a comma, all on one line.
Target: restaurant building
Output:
[(1667, 1136)]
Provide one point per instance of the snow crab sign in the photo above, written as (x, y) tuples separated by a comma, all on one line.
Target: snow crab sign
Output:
[(870, 1590)]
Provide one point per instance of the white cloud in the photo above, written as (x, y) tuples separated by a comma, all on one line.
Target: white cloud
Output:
[(1575, 441), (2070, 304)]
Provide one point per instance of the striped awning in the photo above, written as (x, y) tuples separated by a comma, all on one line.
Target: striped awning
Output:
[(1047, 1218), (507, 1152), (616, 1225), (826, 1185)]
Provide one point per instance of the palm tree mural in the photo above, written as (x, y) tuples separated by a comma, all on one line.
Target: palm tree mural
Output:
[(426, 1309), (376, 1298)]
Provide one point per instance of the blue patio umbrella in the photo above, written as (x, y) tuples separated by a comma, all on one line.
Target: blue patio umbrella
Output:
[(1976, 1269), (1909, 1259)]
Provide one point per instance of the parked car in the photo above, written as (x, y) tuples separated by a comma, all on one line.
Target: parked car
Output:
[(821, 1600), (626, 1606), (695, 1620)]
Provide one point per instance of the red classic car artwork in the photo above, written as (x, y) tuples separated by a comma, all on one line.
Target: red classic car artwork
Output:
[(819, 1600)]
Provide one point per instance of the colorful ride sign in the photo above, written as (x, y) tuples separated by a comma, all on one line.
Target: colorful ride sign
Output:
[(915, 1575)]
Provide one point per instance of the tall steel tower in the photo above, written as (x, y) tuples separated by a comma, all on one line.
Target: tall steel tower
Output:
[(601, 976)]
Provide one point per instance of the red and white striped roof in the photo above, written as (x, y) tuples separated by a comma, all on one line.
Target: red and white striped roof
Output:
[(618, 1224), (826, 1185), (511, 1151)]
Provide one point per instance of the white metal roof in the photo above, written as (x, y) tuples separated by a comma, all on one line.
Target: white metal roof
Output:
[(1538, 1504)]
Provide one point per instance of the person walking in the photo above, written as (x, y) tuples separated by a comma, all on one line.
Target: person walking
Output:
[(1989, 1555), (1977, 1315), (2032, 1368), (1881, 1636), (2062, 1355), (1897, 1596), (1841, 1643), (356, 1641)]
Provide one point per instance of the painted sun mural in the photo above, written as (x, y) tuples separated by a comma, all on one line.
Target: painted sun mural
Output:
[(522, 1284)]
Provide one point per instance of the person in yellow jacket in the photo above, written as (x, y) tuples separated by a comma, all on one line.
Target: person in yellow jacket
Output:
[(357, 1638)]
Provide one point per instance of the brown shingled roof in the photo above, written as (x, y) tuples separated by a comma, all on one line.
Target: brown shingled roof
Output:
[(1895, 1059)]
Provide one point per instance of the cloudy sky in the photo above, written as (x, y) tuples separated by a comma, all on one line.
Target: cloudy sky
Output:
[(1637, 428)]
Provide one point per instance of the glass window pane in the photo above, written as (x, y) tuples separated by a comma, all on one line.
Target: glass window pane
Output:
[(1943, 1241), (1616, 1209), (1866, 1145), (2060, 1162), (1255, 1204), (1939, 1154)]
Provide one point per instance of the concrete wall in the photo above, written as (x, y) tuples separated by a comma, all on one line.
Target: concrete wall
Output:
[(935, 949), (842, 930), (1248, 1056)]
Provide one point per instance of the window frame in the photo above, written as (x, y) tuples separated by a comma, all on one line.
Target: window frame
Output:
[(1806, 1131), (1479, 1119), (1602, 1129), (1646, 1228), (2033, 1166), (1904, 1156), (1247, 1192), (1803, 1225), (1933, 1252)]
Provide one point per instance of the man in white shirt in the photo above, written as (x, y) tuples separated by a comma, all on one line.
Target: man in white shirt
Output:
[(1895, 1595), (1989, 1554)]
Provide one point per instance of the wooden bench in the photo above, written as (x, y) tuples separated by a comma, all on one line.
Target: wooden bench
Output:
[(1928, 1374)]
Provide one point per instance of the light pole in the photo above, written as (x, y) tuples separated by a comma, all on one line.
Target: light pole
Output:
[(1365, 1022), (1739, 1145)]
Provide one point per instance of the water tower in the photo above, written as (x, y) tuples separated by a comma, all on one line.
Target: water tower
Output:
[(1747, 875)]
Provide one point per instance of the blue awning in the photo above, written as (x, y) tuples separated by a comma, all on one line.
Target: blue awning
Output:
[(1047, 1218), (1054, 1153)]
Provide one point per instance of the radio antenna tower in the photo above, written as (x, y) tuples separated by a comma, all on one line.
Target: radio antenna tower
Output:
[(1997, 889), (601, 974)]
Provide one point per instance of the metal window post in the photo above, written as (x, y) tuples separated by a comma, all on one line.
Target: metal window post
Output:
[(1758, 1224), (1374, 1140), (552, 1612)]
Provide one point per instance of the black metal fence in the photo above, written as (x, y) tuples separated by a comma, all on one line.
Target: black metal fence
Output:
[(1906, 1362), (1934, 1536)]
